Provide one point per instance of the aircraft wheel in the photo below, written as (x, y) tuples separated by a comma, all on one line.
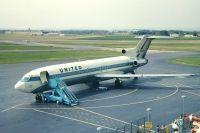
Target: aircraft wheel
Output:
[(135, 78), (38, 98), (45, 99), (118, 83)]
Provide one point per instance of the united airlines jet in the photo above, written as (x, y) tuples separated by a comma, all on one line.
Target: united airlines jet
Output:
[(50, 83)]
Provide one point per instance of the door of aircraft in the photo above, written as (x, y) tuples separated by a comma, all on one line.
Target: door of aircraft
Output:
[(44, 76)]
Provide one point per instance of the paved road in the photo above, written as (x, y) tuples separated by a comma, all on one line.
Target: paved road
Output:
[(109, 109), (65, 47), (72, 47)]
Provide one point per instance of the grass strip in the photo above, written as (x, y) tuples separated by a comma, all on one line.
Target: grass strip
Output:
[(192, 61), (19, 57)]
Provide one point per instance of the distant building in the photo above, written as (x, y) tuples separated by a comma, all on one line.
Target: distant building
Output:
[(61, 34), (19, 32), (36, 33), (8, 32), (189, 35), (174, 35), (120, 32), (53, 34)]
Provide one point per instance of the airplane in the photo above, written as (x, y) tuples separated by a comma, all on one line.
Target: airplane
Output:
[(50, 83)]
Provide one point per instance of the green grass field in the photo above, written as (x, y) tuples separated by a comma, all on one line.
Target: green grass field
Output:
[(169, 45), (113, 41), (19, 57), (179, 46), (24, 47), (193, 61)]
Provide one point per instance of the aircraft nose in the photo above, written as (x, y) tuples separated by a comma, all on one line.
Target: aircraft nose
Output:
[(20, 86)]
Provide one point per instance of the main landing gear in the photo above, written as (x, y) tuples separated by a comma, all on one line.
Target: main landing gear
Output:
[(118, 83), (135, 78)]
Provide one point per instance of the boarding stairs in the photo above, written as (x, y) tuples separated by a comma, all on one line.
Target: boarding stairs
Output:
[(63, 91)]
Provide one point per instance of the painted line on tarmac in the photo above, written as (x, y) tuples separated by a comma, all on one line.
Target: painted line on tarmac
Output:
[(73, 119), (11, 108), (134, 103), (191, 93), (102, 115), (185, 85), (119, 105), (191, 87), (110, 97), (24, 108), (124, 122), (108, 117)]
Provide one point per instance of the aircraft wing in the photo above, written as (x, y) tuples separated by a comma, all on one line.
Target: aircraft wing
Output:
[(141, 75)]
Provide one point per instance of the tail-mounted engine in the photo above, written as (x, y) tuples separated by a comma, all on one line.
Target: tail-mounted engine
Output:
[(123, 51), (140, 62), (128, 52)]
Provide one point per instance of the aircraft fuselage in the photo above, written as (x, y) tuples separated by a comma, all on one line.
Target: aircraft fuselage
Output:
[(73, 73)]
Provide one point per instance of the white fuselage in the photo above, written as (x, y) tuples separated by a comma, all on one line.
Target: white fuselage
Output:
[(76, 72)]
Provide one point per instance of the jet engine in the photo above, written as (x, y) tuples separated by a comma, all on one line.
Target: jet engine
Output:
[(123, 51), (140, 62)]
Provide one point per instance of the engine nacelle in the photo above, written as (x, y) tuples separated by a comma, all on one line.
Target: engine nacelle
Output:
[(140, 62), (123, 51)]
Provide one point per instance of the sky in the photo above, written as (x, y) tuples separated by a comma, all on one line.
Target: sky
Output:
[(100, 14)]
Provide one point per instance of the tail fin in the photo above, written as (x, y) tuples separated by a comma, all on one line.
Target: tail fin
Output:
[(141, 49), (143, 46)]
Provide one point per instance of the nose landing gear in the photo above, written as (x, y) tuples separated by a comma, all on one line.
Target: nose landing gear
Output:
[(38, 98)]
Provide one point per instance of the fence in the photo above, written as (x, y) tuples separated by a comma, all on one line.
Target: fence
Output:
[(144, 126), (138, 126)]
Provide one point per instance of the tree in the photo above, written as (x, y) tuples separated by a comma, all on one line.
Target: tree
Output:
[(164, 33)]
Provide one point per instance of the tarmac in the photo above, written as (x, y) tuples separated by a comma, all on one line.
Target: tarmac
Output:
[(109, 109)]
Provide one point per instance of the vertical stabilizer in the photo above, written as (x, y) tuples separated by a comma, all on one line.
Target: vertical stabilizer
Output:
[(143, 46), (139, 52)]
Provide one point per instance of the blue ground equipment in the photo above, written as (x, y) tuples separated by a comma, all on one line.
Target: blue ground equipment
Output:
[(60, 93)]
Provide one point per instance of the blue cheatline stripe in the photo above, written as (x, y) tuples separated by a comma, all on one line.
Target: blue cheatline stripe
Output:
[(83, 71)]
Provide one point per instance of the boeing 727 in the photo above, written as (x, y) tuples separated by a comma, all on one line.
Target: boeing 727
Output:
[(50, 83)]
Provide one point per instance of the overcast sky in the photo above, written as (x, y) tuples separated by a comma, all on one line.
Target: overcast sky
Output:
[(100, 14)]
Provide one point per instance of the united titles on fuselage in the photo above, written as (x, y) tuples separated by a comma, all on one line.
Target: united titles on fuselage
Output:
[(70, 69)]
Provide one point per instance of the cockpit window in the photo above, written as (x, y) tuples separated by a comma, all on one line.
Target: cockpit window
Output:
[(26, 78)]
